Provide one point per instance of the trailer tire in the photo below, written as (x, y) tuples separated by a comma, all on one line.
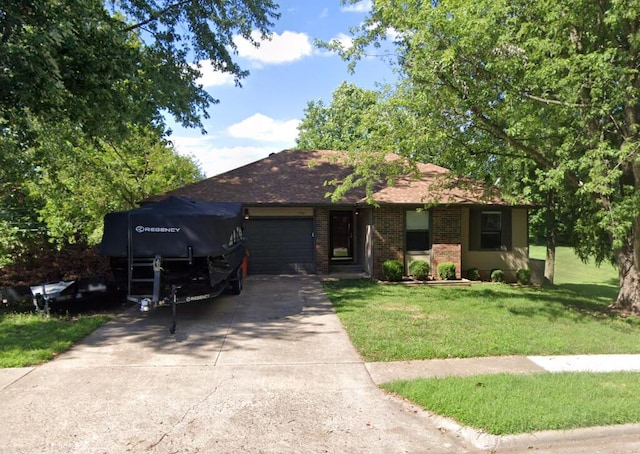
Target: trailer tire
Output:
[(236, 282)]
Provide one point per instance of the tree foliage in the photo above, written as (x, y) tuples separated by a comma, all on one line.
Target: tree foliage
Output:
[(65, 199), (543, 94), (339, 125), (104, 66), (84, 90)]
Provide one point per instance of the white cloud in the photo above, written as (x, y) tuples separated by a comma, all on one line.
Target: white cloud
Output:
[(360, 7), (213, 159), (284, 48), (263, 128), (211, 77), (393, 34), (390, 33), (215, 155), (342, 39), (345, 41)]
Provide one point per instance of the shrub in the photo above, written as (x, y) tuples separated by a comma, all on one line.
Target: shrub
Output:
[(419, 269), (392, 270), (523, 276), (447, 271), (473, 274), (497, 275)]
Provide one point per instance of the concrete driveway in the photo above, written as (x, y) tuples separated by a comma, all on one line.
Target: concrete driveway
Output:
[(270, 370)]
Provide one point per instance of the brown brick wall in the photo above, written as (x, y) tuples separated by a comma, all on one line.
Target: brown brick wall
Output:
[(388, 241), (441, 253), (447, 238), (322, 240), (447, 225)]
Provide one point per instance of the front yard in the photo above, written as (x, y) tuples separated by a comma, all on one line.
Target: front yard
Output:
[(398, 323)]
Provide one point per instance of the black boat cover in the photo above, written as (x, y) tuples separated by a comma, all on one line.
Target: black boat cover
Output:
[(169, 227)]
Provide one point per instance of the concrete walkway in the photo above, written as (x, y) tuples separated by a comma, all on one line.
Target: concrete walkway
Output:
[(408, 370), (270, 371)]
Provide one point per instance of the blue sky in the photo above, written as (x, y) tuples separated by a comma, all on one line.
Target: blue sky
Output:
[(285, 73)]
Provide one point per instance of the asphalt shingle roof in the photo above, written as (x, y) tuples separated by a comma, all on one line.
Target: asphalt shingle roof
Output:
[(298, 177), (437, 185)]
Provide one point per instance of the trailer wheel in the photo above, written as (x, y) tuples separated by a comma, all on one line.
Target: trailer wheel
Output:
[(236, 283)]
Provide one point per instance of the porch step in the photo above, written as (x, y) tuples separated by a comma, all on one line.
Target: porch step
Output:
[(345, 268)]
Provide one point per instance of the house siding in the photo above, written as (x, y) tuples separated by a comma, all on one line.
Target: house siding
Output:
[(450, 241), (447, 225), (508, 261)]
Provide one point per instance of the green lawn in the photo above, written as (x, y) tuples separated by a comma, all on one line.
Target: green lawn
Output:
[(397, 323), (571, 272), (511, 404), (27, 339)]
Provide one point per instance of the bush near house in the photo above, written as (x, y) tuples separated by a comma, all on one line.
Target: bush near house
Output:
[(447, 271), (419, 269), (473, 274), (392, 270), (523, 276), (497, 275)]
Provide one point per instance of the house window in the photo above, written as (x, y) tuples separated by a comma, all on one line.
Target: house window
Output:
[(417, 236), (491, 230)]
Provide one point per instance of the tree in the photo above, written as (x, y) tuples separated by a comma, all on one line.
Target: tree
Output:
[(84, 90), (81, 182), (104, 69), (364, 122), (339, 125), (65, 199), (543, 94), (106, 65)]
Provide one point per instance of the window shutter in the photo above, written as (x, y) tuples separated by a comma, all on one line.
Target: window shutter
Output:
[(507, 230), (474, 229)]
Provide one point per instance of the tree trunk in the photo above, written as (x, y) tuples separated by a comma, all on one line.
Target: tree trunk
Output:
[(552, 240), (628, 263)]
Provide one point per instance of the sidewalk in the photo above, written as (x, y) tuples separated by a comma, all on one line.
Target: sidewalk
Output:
[(409, 370)]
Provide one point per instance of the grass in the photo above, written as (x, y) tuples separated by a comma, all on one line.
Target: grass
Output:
[(393, 322), (397, 323), (511, 404), (27, 339), (570, 272)]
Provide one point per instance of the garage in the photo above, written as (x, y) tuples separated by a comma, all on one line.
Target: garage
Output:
[(280, 246)]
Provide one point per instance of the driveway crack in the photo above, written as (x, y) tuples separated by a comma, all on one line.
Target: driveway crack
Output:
[(166, 433)]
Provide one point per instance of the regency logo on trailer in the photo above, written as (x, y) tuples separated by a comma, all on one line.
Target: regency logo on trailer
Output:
[(145, 229)]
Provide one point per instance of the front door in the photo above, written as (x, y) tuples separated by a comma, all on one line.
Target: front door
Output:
[(341, 235)]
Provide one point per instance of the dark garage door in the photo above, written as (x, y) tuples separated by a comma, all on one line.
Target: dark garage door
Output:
[(280, 246)]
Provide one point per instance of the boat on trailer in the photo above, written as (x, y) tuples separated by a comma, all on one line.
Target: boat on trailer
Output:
[(176, 251)]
